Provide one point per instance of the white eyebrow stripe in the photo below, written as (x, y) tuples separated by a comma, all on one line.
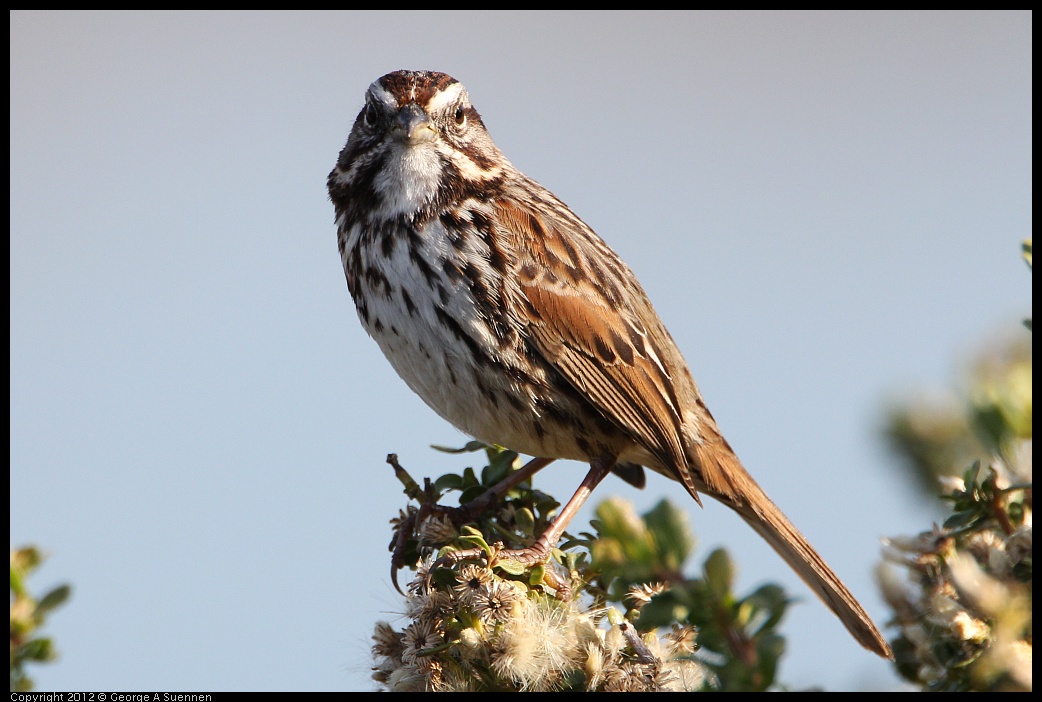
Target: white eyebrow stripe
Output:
[(382, 94), (447, 96)]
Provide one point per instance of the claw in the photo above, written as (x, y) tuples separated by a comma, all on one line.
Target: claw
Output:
[(401, 537)]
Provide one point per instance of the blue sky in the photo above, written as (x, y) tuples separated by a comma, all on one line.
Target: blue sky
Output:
[(825, 208)]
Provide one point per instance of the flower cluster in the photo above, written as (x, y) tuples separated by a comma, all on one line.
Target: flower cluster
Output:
[(491, 623), (963, 603), (476, 627)]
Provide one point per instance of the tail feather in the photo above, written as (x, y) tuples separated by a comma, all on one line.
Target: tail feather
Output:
[(724, 478), (790, 544)]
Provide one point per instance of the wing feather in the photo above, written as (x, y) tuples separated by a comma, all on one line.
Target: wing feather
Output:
[(593, 335)]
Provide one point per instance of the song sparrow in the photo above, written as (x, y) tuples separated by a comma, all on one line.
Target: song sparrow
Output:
[(515, 322)]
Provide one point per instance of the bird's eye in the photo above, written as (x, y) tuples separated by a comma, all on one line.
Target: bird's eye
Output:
[(461, 115), (369, 115)]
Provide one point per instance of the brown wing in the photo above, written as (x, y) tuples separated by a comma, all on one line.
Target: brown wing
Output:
[(589, 318)]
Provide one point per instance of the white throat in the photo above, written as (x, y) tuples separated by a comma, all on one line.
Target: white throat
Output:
[(410, 180)]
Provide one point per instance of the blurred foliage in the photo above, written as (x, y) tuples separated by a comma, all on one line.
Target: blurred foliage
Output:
[(28, 614), (961, 592), (611, 610), (990, 415)]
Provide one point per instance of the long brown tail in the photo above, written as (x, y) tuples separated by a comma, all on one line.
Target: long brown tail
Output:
[(725, 479)]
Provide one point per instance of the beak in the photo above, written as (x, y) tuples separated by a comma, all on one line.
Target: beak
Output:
[(413, 124)]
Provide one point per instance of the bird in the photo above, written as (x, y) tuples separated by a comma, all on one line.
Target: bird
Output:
[(514, 321)]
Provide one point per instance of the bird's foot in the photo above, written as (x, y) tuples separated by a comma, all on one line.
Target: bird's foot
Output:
[(409, 525)]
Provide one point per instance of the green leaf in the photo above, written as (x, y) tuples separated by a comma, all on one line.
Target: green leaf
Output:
[(672, 535), (511, 566), (53, 599), (471, 493), (525, 521), (960, 519), (662, 611), (470, 447), (467, 530), (618, 521), (38, 650), (719, 572), (449, 481), (970, 476), (17, 582), (770, 648), (499, 467), (472, 536), (769, 600), (443, 577)]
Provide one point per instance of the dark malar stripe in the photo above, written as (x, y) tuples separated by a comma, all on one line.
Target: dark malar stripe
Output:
[(481, 160)]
